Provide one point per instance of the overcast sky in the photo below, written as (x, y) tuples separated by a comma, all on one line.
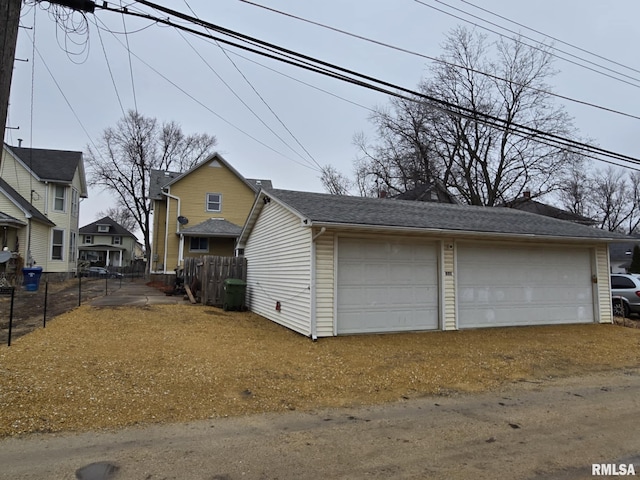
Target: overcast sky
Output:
[(197, 85)]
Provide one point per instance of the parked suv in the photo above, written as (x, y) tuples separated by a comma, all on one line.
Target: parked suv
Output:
[(625, 292)]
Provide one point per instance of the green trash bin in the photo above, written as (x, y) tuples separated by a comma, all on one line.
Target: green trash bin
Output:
[(234, 292)]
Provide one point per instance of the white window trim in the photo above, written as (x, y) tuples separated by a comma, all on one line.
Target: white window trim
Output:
[(63, 198), (87, 237), (206, 204), (61, 245)]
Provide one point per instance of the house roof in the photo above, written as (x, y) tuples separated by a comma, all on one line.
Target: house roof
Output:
[(318, 209), (115, 228), (23, 204), (159, 179), (9, 221), (49, 165), (214, 227), (618, 251), (527, 204), (422, 193)]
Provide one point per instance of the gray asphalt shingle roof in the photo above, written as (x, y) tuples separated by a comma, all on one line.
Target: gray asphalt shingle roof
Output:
[(50, 165), (214, 227), (322, 208), (115, 228)]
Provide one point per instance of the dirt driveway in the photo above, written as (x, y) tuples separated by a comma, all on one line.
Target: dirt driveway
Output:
[(99, 368)]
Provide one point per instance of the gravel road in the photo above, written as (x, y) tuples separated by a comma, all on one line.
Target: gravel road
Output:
[(547, 430)]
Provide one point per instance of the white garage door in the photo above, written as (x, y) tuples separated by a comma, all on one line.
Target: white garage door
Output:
[(499, 286), (386, 286)]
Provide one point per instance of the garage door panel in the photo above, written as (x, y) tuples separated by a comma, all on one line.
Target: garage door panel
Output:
[(523, 285), (386, 286)]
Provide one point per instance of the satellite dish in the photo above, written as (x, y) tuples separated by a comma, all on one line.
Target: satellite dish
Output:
[(4, 256), (183, 220)]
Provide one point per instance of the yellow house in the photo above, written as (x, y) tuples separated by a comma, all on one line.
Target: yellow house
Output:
[(198, 212)]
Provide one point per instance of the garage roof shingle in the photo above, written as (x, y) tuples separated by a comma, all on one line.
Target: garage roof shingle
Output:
[(321, 208)]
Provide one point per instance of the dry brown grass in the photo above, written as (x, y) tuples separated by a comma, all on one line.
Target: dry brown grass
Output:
[(104, 368)]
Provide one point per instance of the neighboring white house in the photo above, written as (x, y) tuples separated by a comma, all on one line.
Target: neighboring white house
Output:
[(106, 243), (40, 192), (327, 265)]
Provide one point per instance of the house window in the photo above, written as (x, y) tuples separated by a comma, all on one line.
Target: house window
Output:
[(214, 202), (72, 245), (88, 239), (103, 228), (57, 244), (75, 202), (199, 244), (59, 198), (116, 240)]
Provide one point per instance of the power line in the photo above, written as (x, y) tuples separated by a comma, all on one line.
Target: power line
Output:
[(555, 39), (441, 61), (262, 99), (113, 82), (133, 85), (157, 72), (319, 66), (533, 46)]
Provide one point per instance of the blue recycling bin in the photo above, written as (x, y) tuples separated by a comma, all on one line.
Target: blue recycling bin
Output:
[(31, 277)]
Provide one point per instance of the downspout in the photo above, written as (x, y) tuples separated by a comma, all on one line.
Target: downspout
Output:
[(166, 230), (314, 320)]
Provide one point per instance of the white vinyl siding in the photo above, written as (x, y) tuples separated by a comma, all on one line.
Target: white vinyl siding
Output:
[(603, 287), (449, 284), (325, 279), (278, 256), (508, 285)]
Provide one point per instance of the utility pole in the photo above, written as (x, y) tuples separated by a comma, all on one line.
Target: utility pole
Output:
[(9, 21)]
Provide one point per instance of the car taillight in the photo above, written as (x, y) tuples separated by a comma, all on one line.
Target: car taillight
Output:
[(637, 293)]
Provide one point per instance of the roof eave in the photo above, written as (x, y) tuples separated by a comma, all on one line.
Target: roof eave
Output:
[(460, 233)]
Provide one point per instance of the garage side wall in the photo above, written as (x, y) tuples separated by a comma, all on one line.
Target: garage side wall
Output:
[(278, 253)]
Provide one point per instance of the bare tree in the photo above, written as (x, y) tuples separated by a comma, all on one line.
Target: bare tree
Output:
[(483, 162), (128, 152), (335, 182), (609, 198), (120, 215)]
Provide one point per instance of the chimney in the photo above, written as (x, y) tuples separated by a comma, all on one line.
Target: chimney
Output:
[(19, 143), (526, 194), (383, 194)]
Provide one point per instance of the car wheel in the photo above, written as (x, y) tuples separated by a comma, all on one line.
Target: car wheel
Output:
[(620, 309)]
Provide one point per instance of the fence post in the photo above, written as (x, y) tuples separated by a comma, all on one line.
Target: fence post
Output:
[(13, 291), (46, 294)]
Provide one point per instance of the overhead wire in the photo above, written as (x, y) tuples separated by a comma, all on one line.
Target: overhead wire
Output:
[(262, 99), (174, 84), (113, 81), (555, 39), (441, 61), (126, 36), (64, 96), (637, 85), (347, 75)]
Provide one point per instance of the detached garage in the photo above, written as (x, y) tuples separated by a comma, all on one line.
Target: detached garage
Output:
[(326, 265)]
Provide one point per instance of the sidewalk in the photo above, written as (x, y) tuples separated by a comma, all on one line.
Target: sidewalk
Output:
[(134, 292)]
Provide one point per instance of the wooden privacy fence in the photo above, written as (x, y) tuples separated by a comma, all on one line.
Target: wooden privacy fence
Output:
[(210, 272)]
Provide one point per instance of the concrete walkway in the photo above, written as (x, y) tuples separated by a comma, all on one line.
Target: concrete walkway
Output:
[(134, 292)]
